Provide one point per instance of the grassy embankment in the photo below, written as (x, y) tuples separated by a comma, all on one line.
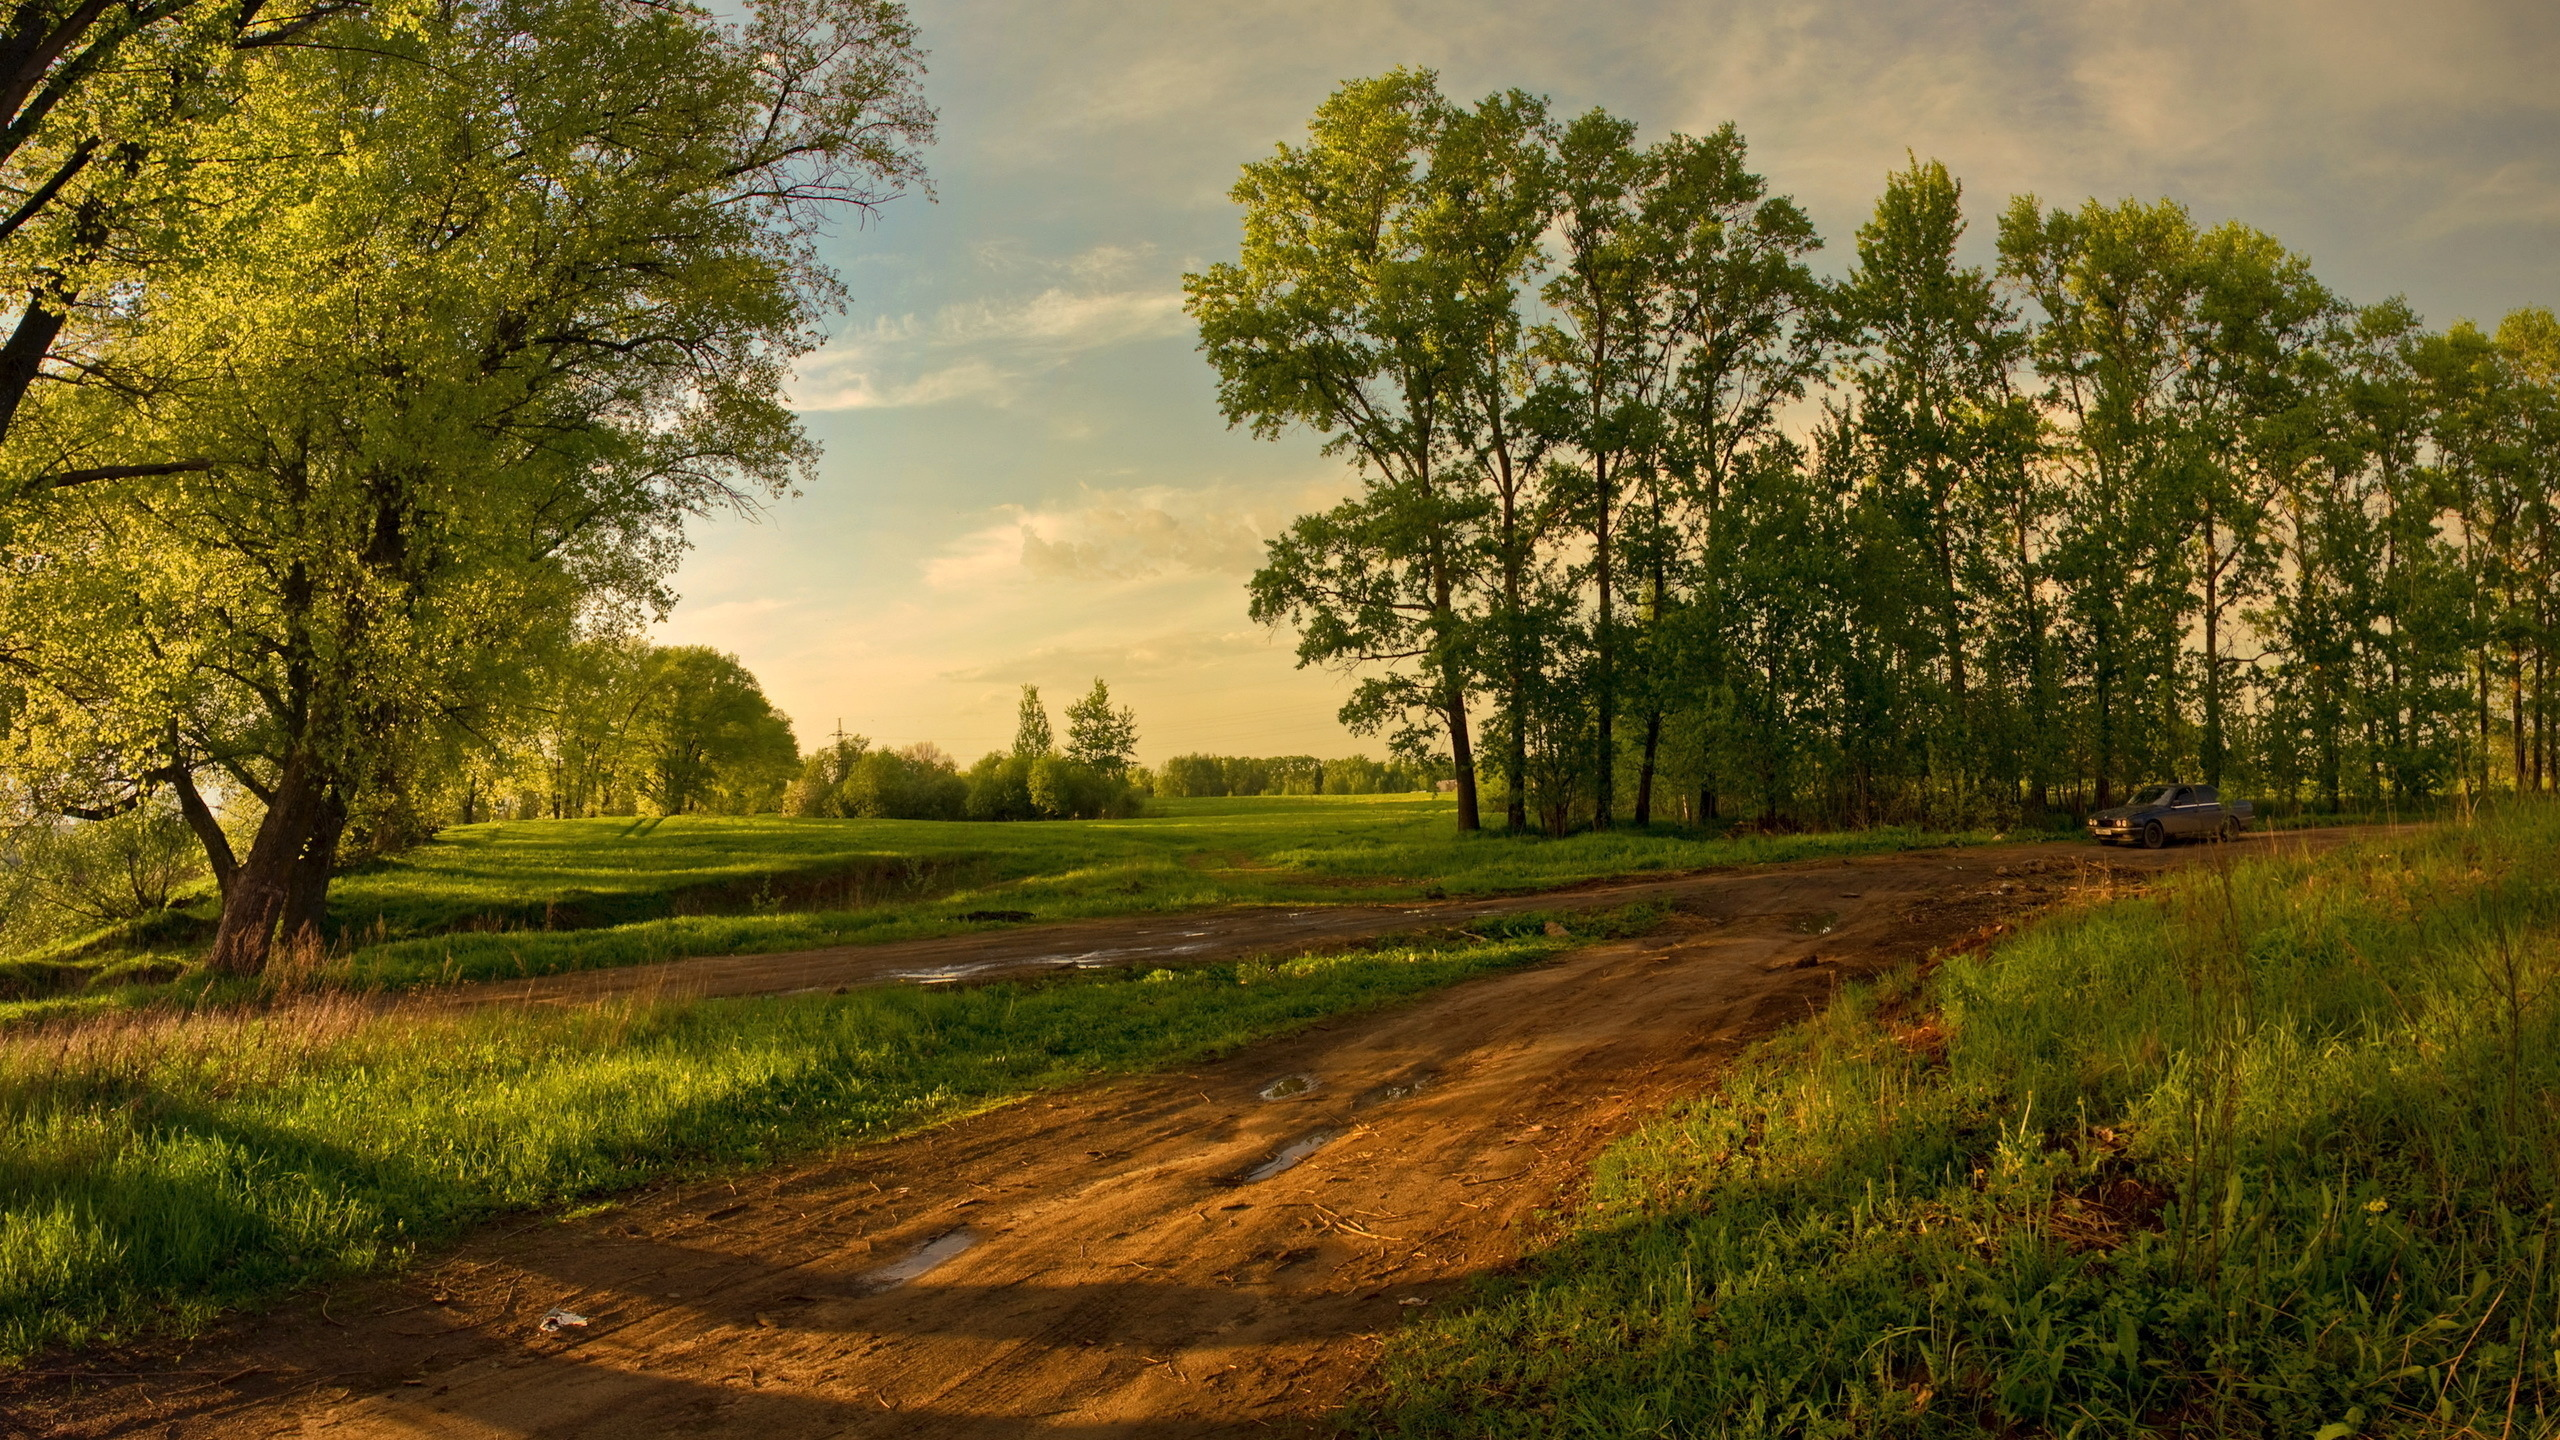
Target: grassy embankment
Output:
[(537, 897), (2272, 1152), (155, 1168)]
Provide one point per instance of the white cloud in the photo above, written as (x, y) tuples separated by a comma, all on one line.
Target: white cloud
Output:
[(1114, 536), (985, 350)]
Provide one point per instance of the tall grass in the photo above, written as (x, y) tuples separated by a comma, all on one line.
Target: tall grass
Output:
[(2271, 1152), (158, 1167)]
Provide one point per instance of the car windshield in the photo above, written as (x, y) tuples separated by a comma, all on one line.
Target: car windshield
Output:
[(2153, 796)]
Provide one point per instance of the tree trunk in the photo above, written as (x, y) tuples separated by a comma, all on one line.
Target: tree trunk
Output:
[(261, 887), (2212, 656), (1462, 756), (1644, 776), (306, 903), (23, 356), (1604, 782), (208, 829)]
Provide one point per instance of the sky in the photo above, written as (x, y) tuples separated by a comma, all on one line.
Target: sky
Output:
[(1026, 477)]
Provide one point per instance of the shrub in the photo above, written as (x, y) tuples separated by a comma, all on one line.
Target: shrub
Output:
[(917, 783)]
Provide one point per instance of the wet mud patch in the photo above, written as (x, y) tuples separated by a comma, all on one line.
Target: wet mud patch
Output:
[(1289, 1087), (1288, 1157), (921, 1261), (1393, 1091)]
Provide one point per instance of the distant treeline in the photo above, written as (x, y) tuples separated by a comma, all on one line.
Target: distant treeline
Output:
[(1095, 777), (1190, 775), (1654, 520)]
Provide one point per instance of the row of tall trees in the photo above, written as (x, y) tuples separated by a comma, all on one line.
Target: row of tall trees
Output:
[(1656, 519), (367, 356)]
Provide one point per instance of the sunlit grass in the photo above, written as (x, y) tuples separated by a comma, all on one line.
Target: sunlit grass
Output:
[(2273, 1152), (913, 879), (156, 1168)]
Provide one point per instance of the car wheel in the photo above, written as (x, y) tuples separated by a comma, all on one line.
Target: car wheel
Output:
[(2228, 831), (2153, 837)]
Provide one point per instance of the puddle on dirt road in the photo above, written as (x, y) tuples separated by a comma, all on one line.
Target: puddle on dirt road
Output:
[(1389, 1093), (1288, 1087), (1817, 923), (1080, 960), (1289, 1156), (920, 1260)]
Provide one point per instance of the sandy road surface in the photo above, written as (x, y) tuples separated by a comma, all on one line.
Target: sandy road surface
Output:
[(1203, 1253)]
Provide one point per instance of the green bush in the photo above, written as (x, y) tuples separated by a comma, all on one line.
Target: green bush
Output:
[(999, 788)]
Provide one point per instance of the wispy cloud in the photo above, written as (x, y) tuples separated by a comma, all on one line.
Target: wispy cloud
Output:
[(1113, 536), (985, 350)]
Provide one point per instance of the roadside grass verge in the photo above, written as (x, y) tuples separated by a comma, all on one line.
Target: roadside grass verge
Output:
[(1279, 850), (2271, 1151), (157, 1168)]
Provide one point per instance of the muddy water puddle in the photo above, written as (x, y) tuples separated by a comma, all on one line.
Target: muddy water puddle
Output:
[(920, 1261), (1077, 960), (1393, 1091), (1288, 1087), (1816, 922), (1288, 1157)]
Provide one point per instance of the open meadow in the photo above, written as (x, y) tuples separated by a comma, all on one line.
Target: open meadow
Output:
[(535, 897)]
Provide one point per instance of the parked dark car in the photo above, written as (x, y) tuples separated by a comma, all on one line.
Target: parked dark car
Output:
[(2162, 813)]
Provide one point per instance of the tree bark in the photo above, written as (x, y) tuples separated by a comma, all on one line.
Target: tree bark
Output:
[(1604, 779), (208, 830), (306, 902), (1462, 756), (23, 356), (261, 888), (1644, 776)]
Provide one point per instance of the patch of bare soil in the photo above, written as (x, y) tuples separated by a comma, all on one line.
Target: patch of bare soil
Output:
[(1210, 1252)]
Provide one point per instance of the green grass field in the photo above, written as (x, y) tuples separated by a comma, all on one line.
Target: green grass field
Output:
[(2273, 1152), (537, 897), (157, 1168), (520, 898)]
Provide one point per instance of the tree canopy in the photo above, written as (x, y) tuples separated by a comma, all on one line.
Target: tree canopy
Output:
[(502, 295), (1642, 495)]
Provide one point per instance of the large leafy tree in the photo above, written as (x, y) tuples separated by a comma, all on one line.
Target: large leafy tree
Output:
[(103, 109), (522, 287), (1358, 308)]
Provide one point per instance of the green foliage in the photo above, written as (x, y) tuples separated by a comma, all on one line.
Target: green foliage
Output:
[(1099, 737), (917, 783), (506, 296), (2147, 500), (2269, 1153), (1066, 789), (164, 1168), (713, 741), (61, 877), (1000, 788), (1213, 775), (1031, 735)]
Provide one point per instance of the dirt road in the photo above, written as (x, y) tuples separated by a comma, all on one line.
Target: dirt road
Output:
[(1204, 1253), (1031, 950)]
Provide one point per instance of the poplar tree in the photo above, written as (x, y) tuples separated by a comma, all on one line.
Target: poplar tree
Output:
[(1345, 312)]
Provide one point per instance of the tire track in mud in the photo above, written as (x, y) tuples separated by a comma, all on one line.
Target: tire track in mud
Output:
[(1135, 1263)]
